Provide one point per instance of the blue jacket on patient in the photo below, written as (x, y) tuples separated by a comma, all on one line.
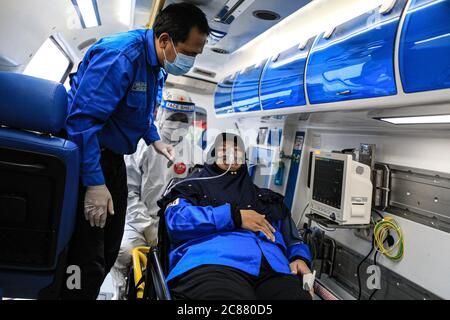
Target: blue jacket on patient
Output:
[(200, 218)]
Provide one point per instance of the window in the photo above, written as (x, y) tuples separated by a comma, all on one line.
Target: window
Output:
[(50, 62), (199, 128)]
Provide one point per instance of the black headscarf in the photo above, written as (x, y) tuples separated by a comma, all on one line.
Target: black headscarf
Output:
[(235, 188)]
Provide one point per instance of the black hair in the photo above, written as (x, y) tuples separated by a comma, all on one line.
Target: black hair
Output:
[(224, 137), (178, 19), (178, 116)]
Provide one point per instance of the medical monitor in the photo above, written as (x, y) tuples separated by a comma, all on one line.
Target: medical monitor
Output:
[(341, 188)]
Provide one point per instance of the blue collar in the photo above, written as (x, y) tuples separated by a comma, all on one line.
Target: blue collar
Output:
[(152, 58)]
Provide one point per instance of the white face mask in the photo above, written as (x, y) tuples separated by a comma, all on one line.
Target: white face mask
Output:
[(173, 131), (238, 156)]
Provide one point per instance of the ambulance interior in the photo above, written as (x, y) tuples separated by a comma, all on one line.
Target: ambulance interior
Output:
[(344, 108)]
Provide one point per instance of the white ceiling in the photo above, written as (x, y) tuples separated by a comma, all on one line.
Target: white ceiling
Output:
[(25, 24), (241, 31), (246, 26)]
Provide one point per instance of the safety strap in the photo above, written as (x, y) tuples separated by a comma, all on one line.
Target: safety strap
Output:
[(141, 280)]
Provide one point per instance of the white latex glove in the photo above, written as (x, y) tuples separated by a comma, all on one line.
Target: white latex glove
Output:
[(97, 203), (165, 149)]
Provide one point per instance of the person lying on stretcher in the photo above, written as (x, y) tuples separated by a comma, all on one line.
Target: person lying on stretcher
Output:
[(229, 238)]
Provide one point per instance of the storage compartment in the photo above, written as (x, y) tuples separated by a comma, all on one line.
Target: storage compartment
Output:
[(425, 46), (222, 96), (282, 81), (357, 60), (245, 94)]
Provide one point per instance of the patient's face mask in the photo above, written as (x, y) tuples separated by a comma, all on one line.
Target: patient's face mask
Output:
[(181, 65)]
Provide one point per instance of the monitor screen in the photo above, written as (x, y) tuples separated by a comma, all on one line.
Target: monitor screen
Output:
[(328, 179)]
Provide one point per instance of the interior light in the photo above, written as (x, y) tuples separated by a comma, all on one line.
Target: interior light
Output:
[(87, 11), (232, 10), (435, 119)]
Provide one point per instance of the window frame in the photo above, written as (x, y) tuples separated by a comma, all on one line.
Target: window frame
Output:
[(61, 49)]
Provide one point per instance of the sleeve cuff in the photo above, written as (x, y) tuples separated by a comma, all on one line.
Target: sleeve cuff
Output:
[(93, 179), (300, 251), (236, 216), (151, 137), (308, 263), (222, 218)]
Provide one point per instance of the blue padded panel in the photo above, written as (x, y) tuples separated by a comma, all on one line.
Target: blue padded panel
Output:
[(24, 285), (31, 103), (65, 150), (28, 282)]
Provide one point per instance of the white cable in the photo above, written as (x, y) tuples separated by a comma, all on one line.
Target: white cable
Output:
[(322, 227), (230, 158), (301, 216)]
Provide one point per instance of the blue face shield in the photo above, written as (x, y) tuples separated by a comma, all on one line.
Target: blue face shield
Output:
[(181, 65)]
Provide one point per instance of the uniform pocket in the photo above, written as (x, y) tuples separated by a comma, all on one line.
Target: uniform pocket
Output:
[(133, 109), (136, 100)]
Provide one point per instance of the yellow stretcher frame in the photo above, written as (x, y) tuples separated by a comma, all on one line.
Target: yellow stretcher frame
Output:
[(139, 258)]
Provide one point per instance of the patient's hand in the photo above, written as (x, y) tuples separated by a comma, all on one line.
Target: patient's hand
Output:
[(299, 267), (253, 221)]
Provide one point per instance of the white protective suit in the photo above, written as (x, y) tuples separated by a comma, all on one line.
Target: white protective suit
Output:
[(148, 174)]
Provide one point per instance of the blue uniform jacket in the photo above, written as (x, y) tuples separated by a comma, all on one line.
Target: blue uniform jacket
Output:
[(203, 235), (112, 99)]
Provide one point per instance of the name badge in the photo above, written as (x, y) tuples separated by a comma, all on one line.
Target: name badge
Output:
[(139, 86)]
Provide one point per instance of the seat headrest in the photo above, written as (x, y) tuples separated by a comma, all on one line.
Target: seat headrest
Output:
[(31, 103)]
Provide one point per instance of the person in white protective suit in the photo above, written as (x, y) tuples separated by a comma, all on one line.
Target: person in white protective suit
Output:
[(148, 173)]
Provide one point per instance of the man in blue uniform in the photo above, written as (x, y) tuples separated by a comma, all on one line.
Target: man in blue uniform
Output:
[(111, 106)]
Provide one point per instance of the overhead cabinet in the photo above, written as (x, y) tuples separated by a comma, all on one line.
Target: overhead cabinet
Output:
[(356, 59), (424, 53), (222, 96), (359, 59), (245, 94), (282, 80)]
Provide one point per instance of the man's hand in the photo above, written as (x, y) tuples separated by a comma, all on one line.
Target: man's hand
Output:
[(299, 267), (97, 203), (164, 149), (253, 221)]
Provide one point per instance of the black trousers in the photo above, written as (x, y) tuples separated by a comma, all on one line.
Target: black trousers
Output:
[(216, 282), (95, 249)]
